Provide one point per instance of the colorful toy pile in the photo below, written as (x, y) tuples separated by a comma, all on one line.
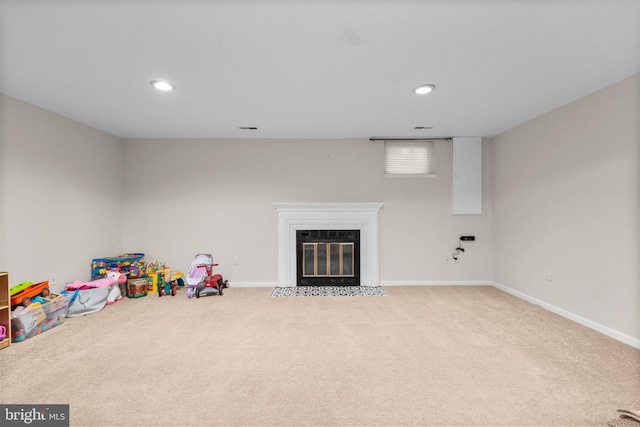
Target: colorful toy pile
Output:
[(36, 309), (129, 270)]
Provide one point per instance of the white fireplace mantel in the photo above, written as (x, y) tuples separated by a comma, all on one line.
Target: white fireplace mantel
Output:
[(328, 216)]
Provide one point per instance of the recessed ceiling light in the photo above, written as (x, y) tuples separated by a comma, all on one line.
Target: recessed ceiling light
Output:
[(162, 85), (423, 89)]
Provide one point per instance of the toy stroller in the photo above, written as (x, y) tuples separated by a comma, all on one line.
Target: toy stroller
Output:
[(200, 276)]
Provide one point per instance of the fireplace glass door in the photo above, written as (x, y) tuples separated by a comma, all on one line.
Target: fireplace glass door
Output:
[(328, 257)]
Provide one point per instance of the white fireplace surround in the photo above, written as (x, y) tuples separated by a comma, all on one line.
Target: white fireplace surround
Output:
[(328, 216)]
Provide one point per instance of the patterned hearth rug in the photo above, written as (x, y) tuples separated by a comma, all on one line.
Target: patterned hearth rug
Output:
[(329, 291)]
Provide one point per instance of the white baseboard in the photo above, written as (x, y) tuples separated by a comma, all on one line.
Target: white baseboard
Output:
[(634, 342), (437, 283), (382, 283), (252, 284)]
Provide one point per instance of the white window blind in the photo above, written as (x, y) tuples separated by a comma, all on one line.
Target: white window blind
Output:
[(409, 159)]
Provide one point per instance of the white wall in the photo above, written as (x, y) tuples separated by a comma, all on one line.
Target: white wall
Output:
[(61, 195), (560, 196), (188, 196), (70, 193), (566, 201)]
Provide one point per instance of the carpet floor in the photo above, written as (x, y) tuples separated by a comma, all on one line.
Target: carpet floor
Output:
[(422, 356)]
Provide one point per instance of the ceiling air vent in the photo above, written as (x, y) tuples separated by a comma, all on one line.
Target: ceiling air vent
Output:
[(423, 127), (247, 128)]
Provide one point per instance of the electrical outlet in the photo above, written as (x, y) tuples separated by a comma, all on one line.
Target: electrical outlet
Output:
[(236, 260), (52, 280), (548, 276), (467, 238)]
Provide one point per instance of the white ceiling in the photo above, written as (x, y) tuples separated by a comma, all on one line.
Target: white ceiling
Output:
[(312, 68)]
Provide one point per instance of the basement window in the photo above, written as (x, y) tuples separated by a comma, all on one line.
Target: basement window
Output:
[(409, 159)]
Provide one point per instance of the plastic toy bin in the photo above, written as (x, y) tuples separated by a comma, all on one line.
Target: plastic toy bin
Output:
[(38, 318)]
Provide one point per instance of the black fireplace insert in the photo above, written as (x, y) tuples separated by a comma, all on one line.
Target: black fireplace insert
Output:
[(328, 257)]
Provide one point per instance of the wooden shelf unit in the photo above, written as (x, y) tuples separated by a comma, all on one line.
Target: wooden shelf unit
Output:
[(5, 308)]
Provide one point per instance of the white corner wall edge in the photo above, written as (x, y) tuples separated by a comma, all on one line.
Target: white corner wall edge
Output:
[(634, 342)]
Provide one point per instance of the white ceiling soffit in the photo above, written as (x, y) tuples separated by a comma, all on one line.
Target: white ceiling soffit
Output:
[(312, 69)]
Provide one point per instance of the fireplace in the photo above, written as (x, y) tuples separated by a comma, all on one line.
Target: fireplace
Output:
[(328, 257), (327, 216)]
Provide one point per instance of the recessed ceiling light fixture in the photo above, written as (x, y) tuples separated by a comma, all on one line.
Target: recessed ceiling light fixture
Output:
[(423, 89), (162, 85)]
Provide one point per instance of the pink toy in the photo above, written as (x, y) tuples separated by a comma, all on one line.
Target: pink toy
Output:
[(100, 283), (110, 282), (201, 277), (3, 332)]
